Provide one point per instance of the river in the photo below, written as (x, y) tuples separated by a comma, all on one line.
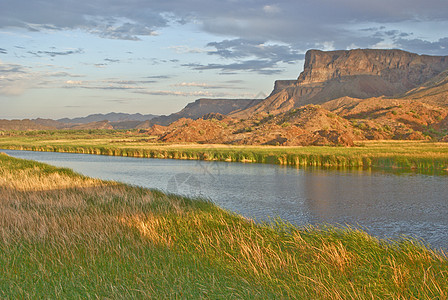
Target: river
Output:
[(386, 205)]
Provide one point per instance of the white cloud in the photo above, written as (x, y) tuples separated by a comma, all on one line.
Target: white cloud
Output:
[(327, 46), (177, 93), (74, 82), (186, 49), (384, 45), (271, 9)]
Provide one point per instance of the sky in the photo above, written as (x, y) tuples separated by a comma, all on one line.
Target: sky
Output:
[(72, 58)]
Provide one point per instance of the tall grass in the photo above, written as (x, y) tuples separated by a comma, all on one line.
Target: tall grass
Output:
[(420, 156), (63, 235)]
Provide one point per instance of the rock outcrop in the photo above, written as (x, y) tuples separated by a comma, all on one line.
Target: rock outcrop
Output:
[(360, 73)]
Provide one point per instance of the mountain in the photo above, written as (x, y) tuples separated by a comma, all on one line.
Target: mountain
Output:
[(25, 124), (360, 73), (48, 124), (201, 107), (93, 125), (111, 117)]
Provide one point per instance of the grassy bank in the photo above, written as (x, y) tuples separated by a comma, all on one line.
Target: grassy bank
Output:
[(374, 154), (65, 235)]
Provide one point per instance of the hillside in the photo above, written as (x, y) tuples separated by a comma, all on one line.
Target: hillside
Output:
[(434, 91)]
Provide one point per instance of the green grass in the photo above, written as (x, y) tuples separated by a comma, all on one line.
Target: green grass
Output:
[(407, 155), (63, 235)]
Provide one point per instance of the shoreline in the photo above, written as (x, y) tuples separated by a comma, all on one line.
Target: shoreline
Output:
[(317, 156)]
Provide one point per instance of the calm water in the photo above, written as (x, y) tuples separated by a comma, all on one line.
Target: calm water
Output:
[(385, 205)]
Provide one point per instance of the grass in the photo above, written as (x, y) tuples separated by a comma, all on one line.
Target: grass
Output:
[(63, 235), (415, 155)]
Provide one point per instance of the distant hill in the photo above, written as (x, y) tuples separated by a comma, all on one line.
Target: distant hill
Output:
[(111, 117), (25, 124), (200, 107), (48, 124), (94, 125)]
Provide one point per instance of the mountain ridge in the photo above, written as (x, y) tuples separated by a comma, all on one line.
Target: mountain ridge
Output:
[(111, 117)]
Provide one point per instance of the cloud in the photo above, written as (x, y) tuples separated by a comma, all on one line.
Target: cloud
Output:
[(56, 53), (271, 9), (249, 55), (111, 60), (203, 85), (187, 94), (11, 68), (186, 49), (421, 46), (158, 77), (114, 20), (121, 101), (74, 82), (64, 74), (99, 85), (264, 67), (3, 51), (301, 24), (240, 48), (191, 84), (132, 82), (177, 93), (118, 30), (15, 79), (107, 84)]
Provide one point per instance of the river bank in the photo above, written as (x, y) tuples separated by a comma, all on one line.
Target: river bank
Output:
[(406, 155)]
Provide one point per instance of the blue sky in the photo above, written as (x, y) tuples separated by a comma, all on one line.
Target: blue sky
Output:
[(67, 58)]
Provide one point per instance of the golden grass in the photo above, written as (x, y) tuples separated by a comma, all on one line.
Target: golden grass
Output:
[(65, 235), (419, 155)]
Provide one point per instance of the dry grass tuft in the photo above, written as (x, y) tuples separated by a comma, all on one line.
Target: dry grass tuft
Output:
[(336, 255), (151, 227)]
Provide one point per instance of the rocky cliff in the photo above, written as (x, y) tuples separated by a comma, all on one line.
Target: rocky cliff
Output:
[(360, 73)]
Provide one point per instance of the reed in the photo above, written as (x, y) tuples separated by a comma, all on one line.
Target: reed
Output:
[(63, 235), (420, 156)]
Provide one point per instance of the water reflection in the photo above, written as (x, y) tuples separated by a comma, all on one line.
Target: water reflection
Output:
[(382, 202)]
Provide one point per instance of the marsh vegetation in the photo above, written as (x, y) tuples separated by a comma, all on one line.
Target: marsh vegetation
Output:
[(419, 155), (66, 235)]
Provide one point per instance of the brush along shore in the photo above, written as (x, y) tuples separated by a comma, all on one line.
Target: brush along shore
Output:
[(63, 235), (406, 155)]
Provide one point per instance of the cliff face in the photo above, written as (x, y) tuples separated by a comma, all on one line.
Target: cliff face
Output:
[(395, 66), (361, 73)]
